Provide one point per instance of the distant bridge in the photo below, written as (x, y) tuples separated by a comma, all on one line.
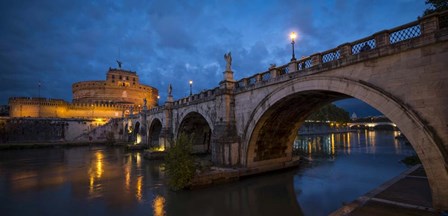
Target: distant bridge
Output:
[(252, 122), (370, 124)]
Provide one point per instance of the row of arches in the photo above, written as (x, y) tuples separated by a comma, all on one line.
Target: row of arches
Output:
[(270, 134), (193, 125)]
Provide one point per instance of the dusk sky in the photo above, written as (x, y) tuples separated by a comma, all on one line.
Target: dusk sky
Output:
[(58, 43)]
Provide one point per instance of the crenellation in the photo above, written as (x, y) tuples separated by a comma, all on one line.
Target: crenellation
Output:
[(90, 99)]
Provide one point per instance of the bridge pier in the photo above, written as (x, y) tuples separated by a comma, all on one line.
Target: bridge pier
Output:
[(225, 141), (225, 144), (166, 137)]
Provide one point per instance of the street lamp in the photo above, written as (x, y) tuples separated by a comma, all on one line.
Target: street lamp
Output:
[(191, 87), (293, 37)]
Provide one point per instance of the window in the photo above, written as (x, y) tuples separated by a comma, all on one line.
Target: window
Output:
[(113, 76), (127, 78)]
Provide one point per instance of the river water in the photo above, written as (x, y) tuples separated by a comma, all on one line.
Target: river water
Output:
[(110, 181)]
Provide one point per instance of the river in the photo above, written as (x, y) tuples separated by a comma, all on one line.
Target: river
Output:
[(111, 181)]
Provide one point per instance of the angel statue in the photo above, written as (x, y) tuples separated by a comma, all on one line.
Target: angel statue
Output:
[(170, 90), (228, 58)]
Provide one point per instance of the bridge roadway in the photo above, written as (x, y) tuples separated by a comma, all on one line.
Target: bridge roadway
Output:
[(252, 122)]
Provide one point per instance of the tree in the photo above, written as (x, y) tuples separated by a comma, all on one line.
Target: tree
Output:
[(435, 6), (330, 112), (179, 163)]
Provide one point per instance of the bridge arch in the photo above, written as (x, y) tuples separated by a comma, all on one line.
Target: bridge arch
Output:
[(285, 108), (154, 130), (196, 125)]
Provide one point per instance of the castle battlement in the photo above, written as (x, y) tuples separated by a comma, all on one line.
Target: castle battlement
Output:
[(37, 101), (98, 98)]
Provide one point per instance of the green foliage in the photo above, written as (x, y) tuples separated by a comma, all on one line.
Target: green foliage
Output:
[(435, 6), (179, 163), (330, 112)]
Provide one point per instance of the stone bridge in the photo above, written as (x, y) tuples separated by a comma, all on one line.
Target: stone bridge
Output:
[(370, 124), (251, 123)]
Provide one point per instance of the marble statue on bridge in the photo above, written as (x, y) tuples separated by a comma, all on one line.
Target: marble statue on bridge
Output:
[(228, 58)]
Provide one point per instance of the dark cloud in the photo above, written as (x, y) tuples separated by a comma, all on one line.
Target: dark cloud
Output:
[(170, 41)]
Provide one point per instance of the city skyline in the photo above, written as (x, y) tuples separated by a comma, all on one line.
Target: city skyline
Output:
[(60, 43)]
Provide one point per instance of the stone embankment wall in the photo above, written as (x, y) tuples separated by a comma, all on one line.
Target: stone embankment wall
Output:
[(19, 130)]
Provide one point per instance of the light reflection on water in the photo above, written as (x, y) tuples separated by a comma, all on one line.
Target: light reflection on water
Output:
[(110, 181), (325, 145), (345, 166)]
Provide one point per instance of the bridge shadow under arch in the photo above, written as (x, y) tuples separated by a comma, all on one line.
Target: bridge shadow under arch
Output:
[(269, 137), (154, 131), (196, 127)]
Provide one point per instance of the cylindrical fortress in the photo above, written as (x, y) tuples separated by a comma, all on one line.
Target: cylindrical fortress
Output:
[(121, 86), (112, 98)]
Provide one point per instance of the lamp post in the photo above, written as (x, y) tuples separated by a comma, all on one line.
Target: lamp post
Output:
[(293, 37), (191, 87)]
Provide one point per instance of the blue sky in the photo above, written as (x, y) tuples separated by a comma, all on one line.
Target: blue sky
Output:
[(168, 41)]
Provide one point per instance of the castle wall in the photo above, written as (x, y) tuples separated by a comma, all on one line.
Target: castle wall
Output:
[(36, 107), (48, 108), (91, 99)]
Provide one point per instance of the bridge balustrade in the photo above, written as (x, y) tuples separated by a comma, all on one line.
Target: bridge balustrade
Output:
[(266, 76), (394, 36), (443, 20), (331, 55), (409, 31), (388, 37)]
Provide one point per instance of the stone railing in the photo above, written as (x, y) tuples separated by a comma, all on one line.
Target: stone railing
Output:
[(157, 109), (204, 95), (356, 51), (425, 26)]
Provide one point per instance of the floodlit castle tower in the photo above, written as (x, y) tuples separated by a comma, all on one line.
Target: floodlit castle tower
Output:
[(92, 99)]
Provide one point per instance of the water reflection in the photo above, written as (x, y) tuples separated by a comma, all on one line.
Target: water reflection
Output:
[(360, 162), (110, 181), (327, 145), (158, 205), (95, 172)]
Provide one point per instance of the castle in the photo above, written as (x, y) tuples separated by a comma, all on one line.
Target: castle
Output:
[(120, 94)]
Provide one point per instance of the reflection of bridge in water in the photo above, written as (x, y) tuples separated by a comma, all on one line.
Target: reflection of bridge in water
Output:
[(251, 123)]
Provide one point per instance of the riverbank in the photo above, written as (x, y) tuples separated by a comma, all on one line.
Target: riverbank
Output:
[(219, 175), (406, 194), (37, 145)]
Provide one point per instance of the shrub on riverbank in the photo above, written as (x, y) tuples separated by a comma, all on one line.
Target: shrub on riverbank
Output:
[(179, 163)]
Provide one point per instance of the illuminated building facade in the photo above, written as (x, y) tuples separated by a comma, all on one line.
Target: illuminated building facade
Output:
[(91, 99)]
